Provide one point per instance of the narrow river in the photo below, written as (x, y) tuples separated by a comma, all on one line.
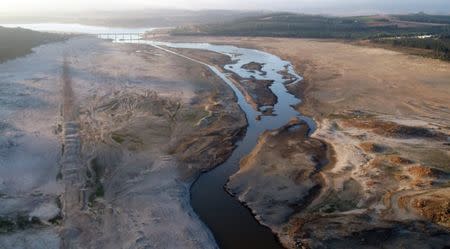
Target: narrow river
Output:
[(233, 224)]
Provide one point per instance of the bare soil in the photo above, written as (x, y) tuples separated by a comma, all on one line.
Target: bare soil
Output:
[(137, 126), (384, 116), (145, 143)]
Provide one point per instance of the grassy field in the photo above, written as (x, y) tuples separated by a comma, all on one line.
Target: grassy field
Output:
[(16, 42)]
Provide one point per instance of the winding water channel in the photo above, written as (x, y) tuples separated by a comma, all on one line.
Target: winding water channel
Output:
[(232, 224)]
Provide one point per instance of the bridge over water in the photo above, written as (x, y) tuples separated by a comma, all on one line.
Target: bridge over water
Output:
[(121, 36)]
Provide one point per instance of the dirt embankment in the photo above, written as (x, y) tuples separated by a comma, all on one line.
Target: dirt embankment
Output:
[(340, 77), (144, 142), (281, 175), (256, 92), (137, 126), (385, 115)]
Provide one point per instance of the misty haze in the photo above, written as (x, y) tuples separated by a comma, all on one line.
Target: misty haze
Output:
[(197, 124)]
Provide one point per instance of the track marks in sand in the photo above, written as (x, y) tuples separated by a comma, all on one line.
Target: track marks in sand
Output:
[(74, 198)]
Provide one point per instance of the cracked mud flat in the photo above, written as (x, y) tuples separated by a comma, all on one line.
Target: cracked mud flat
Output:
[(101, 142), (383, 129)]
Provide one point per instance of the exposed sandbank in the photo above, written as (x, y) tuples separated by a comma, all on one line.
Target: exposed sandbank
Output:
[(385, 115)]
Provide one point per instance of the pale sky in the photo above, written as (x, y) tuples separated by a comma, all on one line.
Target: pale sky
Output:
[(325, 6)]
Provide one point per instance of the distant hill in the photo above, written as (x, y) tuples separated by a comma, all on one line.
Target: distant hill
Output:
[(317, 26), (137, 18), (15, 42), (422, 34), (424, 18)]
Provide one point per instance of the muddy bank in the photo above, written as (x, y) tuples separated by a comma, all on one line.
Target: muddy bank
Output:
[(367, 186), (144, 145), (256, 91), (391, 186), (281, 174), (239, 229), (135, 135), (384, 115), (340, 77)]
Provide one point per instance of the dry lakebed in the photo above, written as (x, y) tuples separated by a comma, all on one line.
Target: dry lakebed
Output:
[(223, 142)]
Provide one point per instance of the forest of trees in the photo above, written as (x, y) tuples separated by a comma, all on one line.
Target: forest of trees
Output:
[(439, 46), (424, 18), (311, 26)]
